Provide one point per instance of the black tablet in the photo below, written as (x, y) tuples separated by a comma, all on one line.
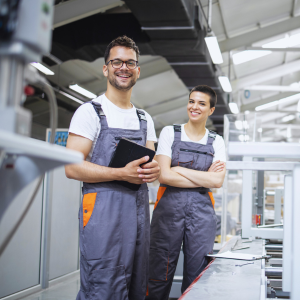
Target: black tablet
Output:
[(126, 152)]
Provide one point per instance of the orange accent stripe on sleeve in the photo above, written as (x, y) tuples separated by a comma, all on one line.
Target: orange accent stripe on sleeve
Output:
[(88, 204), (147, 292), (160, 193), (212, 199)]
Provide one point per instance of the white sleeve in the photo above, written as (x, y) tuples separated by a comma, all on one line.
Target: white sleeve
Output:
[(219, 147), (151, 134), (85, 122), (165, 141)]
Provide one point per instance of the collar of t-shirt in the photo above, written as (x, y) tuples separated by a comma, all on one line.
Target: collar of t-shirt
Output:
[(203, 141), (113, 106)]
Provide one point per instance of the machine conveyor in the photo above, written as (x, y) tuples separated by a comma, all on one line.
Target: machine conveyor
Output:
[(230, 278)]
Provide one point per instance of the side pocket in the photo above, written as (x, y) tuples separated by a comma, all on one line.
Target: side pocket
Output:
[(88, 203), (160, 193), (212, 199), (159, 264), (108, 284)]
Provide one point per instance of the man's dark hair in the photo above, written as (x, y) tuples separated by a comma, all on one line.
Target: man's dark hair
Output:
[(122, 41), (208, 91)]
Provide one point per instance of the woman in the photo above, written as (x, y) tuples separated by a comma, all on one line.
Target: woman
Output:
[(192, 160)]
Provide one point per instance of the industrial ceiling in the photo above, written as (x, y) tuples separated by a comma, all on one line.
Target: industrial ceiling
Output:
[(170, 35)]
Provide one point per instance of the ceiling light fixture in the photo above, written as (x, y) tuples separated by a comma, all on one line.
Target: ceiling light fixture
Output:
[(82, 91), (244, 137), (287, 42), (225, 83), (42, 68), (233, 107), (213, 48), (288, 118), (247, 55), (71, 97), (277, 102)]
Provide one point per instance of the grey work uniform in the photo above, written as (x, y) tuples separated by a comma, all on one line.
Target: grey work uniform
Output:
[(114, 226), (181, 214)]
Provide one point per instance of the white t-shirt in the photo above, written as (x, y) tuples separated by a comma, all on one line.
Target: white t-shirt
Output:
[(86, 123), (166, 140)]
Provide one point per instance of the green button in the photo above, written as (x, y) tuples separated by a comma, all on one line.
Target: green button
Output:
[(45, 8)]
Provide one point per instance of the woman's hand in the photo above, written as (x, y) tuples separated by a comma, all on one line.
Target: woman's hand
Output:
[(217, 166)]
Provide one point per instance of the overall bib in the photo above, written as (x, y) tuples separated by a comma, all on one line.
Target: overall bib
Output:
[(114, 226), (181, 215)]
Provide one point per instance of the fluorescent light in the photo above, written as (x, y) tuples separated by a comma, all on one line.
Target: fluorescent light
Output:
[(82, 91), (247, 55), (259, 129), (238, 125), (283, 100), (244, 137), (234, 108), (267, 105), (246, 112), (42, 68), (241, 125), (225, 83), (71, 97), (288, 118), (214, 49), (286, 42), (289, 132), (294, 40), (294, 87), (281, 43)]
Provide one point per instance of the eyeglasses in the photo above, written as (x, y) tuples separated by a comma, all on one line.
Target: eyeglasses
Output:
[(118, 64)]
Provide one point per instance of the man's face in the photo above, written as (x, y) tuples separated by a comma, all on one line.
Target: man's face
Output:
[(122, 79)]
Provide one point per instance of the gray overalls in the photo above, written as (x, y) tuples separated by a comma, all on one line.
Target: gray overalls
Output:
[(181, 214), (114, 226)]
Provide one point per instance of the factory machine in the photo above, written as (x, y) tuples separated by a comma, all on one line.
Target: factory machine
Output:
[(262, 262), (25, 35)]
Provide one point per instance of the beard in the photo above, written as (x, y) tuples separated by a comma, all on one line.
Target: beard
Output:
[(112, 78)]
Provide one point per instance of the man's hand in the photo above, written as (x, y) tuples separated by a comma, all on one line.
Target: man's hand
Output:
[(131, 172), (217, 166), (150, 171)]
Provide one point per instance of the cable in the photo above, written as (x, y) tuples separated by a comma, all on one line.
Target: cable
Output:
[(42, 83), (204, 16)]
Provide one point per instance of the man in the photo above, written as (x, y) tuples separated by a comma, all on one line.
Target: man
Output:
[(114, 220)]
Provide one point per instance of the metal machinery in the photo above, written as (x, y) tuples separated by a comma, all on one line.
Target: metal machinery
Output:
[(276, 275), (25, 35)]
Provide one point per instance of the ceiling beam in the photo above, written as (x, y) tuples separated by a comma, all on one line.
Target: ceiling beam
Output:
[(266, 75), (275, 49), (74, 10), (294, 8), (278, 88), (221, 8), (252, 105), (260, 34)]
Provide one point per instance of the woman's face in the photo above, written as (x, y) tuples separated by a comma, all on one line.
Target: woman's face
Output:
[(198, 108)]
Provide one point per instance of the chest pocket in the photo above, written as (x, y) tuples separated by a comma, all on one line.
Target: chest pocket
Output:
[(186, 160), (193, 159)]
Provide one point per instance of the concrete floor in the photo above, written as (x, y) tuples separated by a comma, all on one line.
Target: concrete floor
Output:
[(66, 290)]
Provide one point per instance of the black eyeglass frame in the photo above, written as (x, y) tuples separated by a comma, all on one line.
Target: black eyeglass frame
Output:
[(136, 63)]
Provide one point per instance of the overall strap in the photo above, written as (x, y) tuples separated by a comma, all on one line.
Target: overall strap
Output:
[(211, 137), (142, 118), (100, 114), (177, 133)]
